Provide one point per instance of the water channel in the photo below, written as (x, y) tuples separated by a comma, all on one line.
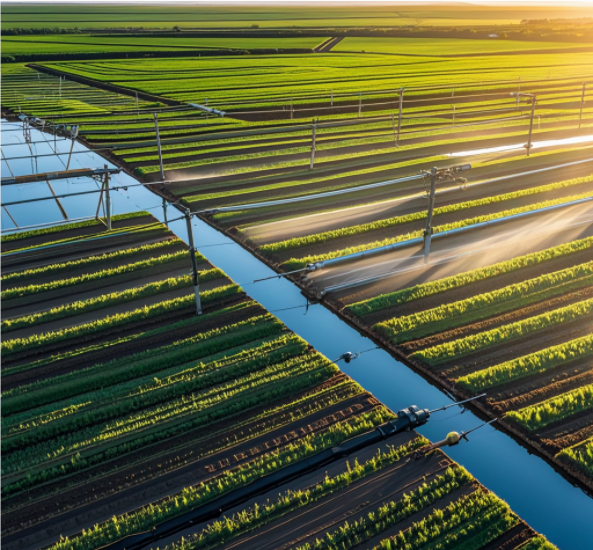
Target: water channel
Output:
[(533, 489)]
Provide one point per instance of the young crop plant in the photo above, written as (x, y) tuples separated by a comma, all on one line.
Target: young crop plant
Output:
[(554, 409), (466, 524), (528, 365), (247, 520), (448, 316), (26, 275), (475, 342), (34, 341), (69, 226), (106, 300), (194, 496), (442, 285), (580, 455), (537, 543), (163, 260)]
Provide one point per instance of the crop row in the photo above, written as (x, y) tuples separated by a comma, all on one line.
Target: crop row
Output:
[(79, 461), (107, 258), (580, 456), (137, 365), (96, 276), (194, 496), (141, 230), (297, 263), (69, 226), (555, 409), (203, 403), (205, 374), (528, 365), (448, 283), (80, 331), (25, 464), (106, 300), (508, 298), (467, 523), (477, 342), (247, 520)]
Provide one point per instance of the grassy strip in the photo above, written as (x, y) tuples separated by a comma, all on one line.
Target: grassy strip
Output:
[(194, 496), (469, 523), (554, 409), (197, 320), (57, 421), (129, 230), (207, 404), (54, 269), (9, 347), (112, 299), (528, 365), (297, 263), (470, 344), (481, 306), (442, 285), (57, 228), (580, 455), (360, 229), (537, 543), (318, 396), (97, 275), (139, 364), (247, 520)]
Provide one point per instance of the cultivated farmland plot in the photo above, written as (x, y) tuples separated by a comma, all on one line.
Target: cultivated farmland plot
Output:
[(126, 415), (258, 174), (123, 410)]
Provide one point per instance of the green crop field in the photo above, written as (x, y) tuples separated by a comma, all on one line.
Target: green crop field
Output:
[(443, 47), (310, 145), (14, 45)]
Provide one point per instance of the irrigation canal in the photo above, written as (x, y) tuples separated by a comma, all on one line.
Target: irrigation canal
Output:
[(534, 490)]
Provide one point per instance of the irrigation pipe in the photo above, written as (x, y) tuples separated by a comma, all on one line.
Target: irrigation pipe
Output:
[(310, 197), (389, 274), (440, 235)]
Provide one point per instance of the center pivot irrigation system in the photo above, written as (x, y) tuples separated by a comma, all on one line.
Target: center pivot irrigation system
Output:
[(406, 419)]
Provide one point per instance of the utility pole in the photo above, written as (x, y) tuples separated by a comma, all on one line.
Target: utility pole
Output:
[(313, 136), (331, 104), (582, 103), (533, 102), (359, 103), (399, 120), (158, 144), (194, 262), (291, 109), (394, 132), (440, 174), (428, 229), (73, 133), (165, 204), (107, 198)]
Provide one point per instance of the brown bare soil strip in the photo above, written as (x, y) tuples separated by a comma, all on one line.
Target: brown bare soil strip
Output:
[(574, 438)]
